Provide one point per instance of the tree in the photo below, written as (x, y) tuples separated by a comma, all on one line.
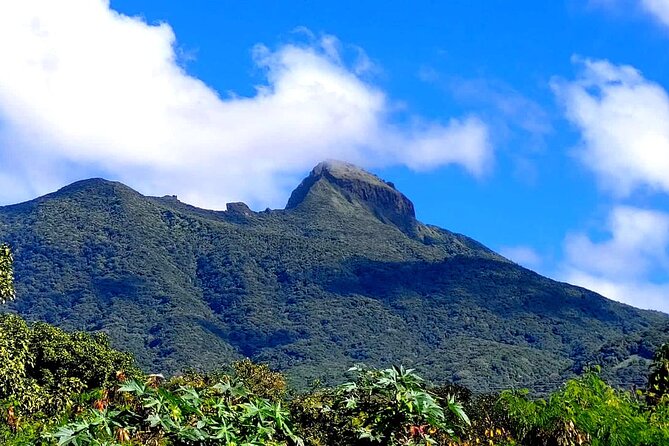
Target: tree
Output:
[(6, 275), (658, 380)]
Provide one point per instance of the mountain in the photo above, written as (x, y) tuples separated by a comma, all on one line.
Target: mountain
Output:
[(344, 274)]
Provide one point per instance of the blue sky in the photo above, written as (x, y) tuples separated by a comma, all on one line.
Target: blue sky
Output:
[(539, 128)]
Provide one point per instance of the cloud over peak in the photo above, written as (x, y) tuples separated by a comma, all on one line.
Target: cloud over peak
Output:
[(85, 88)]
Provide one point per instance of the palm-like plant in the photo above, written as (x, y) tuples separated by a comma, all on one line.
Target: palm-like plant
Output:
[(225, 413), (393, 407)]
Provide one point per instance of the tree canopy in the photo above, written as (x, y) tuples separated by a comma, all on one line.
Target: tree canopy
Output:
[(6, 274)]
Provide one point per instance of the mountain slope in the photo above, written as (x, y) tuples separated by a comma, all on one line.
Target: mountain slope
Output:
[(344, 274)]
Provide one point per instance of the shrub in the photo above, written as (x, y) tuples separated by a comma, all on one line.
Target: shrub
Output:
[(585, 411), (146, 413), (657, 389), (490, 422), (260, 379), (388, 407), (44, 369)]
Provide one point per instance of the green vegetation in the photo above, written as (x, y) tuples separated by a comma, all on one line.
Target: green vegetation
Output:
[(225, 413), (71, 389), (6, 275), (89, 394), (43, 368), (345, 275), (60, 388), (390, 407), (658, 380)]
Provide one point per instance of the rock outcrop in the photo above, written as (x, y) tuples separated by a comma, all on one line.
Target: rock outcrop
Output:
[(357, 185)]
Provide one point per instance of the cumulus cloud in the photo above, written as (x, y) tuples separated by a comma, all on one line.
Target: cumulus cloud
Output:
[(645, 295), (623, 119), (86, 89), (630, 265)]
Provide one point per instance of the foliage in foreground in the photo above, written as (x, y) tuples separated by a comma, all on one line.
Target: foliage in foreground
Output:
[(92, 395), (390, 407), (587, 411), (59, 388), (44, 370), (73, 389), (146, 413)]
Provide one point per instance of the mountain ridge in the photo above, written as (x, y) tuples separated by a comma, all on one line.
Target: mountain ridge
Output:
[(344, 274)]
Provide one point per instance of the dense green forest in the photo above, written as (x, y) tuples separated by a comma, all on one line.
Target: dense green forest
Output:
[(345, 274), (60, 388)]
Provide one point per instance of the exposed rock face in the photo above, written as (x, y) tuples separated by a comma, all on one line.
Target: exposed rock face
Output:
[(239, 208), (378, 196)]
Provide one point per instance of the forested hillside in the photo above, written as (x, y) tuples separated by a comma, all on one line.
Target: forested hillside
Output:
[(345, 274), (72, 389)]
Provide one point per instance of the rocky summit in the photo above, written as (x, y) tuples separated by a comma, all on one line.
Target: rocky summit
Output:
[(358, 186), (344, 274)]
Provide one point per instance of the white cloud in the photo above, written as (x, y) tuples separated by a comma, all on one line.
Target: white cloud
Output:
[(645, 295), (659, 8), (631, 266), (522, 255), (623, 119), (624, 123), (84, 88)]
